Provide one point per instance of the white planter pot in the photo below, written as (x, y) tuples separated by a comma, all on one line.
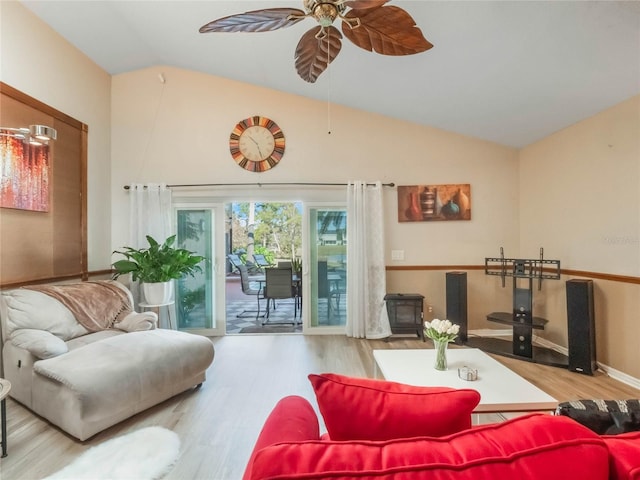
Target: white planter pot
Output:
[(158, 293)]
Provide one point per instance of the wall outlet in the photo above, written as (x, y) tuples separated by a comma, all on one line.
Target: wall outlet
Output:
[(397, 254)]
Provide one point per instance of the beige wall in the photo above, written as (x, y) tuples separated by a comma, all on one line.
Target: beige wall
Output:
[(580, 200), (178, 132), (580, 193), (37, 61)]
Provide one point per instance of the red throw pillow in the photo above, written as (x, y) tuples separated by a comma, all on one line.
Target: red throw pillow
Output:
[(366, 409)]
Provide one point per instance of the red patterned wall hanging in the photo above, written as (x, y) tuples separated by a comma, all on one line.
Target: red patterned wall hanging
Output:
[(24, 175)]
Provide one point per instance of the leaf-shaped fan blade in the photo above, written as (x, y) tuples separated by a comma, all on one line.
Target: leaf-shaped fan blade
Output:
[(313, 55), (256, 21), (387, 30), (364, 4)]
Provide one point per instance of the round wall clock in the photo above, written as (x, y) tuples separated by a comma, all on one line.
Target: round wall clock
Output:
[(257, 144)]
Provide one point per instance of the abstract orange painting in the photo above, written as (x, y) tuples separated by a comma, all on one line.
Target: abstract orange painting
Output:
[(24, 175), (425, 203)]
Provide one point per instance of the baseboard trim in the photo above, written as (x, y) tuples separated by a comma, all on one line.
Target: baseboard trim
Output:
[(612, 372), (620, 376)]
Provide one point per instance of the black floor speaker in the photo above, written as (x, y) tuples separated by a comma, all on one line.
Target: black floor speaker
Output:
[(581, 326), (457, 302)]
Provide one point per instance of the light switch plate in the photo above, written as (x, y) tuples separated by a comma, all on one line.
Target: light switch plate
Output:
[(397, 254)]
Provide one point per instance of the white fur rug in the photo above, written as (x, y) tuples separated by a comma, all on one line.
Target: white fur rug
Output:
[(146, 454)]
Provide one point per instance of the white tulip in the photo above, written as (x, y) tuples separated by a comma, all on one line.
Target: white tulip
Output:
[(441, 329)]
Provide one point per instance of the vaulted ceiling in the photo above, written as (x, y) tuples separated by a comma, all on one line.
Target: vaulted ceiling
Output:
[(510, 72)]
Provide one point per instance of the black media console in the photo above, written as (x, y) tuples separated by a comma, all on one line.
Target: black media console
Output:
[(521, 319)]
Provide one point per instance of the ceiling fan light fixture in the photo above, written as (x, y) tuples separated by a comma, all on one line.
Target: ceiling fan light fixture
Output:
[(325, 12)]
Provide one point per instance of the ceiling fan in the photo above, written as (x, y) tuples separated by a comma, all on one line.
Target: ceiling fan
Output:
[(370, 24)]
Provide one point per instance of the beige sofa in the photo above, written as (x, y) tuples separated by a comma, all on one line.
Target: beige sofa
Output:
[(85, 376)]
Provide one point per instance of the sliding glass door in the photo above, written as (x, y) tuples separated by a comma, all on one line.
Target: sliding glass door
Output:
[(199, 304), (327, 272), (200, 301)]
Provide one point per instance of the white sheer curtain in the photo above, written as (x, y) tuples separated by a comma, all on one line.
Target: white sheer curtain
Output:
[(366, 279), (149, 214)]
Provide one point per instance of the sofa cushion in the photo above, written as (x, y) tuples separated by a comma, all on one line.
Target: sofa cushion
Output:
[(531, 447), (36, 310), (159, 356), (39, 343), (624, 456), (84, 340), (366, 409), (96, 385)]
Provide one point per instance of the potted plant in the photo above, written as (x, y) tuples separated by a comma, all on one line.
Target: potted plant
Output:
[(296, 265), (156, 266)]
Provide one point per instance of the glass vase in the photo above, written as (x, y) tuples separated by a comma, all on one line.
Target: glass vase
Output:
[(441, 354)]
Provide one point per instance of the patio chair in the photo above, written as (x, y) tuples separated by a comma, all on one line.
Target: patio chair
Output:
[(279, 285), (337, 289), (261, 261), (236, 261), (331, 289), (248, 289), (297, 283)]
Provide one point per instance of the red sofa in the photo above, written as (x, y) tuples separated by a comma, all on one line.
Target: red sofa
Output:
[(535, 446)]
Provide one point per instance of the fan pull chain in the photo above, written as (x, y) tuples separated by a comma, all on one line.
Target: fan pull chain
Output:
[(328, 89)]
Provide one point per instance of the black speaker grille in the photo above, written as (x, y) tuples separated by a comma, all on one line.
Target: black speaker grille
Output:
[(581, 326), (456, 283)]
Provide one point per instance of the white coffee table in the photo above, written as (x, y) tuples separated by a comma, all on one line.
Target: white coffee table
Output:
[(501, 390)]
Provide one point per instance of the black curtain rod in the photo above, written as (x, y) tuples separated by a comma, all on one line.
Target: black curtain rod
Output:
[(127, 187)]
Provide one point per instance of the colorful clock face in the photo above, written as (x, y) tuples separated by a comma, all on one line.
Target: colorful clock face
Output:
[(257, 144)]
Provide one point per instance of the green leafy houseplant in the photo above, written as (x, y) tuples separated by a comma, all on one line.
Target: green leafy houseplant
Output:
[(158, 262), (296, 264)]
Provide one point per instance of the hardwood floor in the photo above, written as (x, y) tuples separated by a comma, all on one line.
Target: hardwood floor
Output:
[(219, 423)]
